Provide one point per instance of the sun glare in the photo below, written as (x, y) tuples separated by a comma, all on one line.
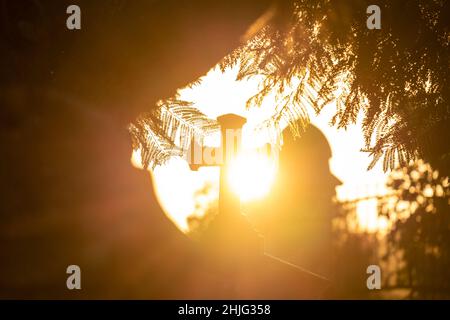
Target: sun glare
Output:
[(251, 176)]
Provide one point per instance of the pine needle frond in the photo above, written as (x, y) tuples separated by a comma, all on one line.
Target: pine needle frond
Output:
[(168, 131)]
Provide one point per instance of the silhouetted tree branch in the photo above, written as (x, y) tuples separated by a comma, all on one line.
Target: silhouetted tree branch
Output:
[(316, 52)]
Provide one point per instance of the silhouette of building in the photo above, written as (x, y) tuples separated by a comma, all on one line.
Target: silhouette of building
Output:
[(297, 215)]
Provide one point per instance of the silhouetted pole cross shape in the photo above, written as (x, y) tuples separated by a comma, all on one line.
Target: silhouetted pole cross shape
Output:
[(231, 134), (230, 233)]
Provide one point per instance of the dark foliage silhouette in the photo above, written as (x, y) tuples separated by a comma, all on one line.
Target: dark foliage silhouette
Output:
[(314, 52), (421, 231)]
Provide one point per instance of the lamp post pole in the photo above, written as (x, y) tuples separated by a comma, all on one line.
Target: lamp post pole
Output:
[(231, 135), (229, 233)]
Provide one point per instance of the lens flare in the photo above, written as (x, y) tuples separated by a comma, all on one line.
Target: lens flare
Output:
[(251, 176)]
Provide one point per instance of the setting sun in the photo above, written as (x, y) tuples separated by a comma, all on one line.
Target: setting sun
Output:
[(251, 175)]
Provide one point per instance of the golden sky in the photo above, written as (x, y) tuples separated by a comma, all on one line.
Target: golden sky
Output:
[(219, 93)]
